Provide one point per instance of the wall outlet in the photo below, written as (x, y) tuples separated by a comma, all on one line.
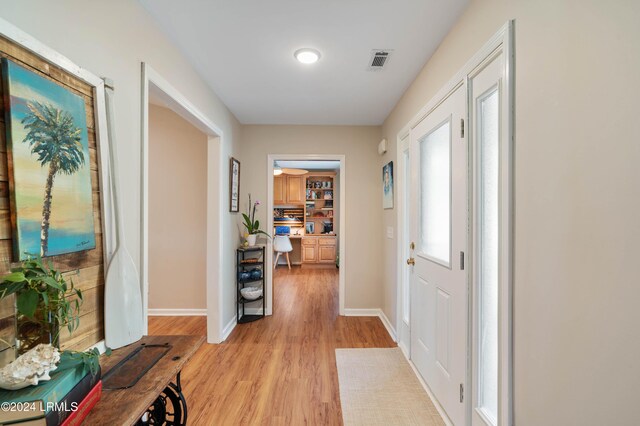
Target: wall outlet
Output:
[(390, 232)]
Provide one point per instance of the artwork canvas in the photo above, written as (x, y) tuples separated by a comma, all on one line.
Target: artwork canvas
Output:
[(49, 172), (387, 185), (234, 186), (310, 228)]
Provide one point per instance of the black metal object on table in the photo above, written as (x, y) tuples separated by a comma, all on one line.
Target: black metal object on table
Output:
[(170, 408), (130, 369)]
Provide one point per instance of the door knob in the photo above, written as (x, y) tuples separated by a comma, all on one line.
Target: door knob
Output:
[(411, 261)]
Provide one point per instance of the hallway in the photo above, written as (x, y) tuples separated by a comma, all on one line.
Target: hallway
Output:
[(279, 370)]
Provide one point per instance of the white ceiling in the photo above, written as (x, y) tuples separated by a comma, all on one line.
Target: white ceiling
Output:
[(244, 50)]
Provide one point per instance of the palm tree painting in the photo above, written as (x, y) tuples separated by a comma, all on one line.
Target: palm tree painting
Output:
[(48, 156)]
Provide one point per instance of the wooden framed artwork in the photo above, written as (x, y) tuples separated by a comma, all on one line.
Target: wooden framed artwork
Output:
[(48, 155), (234, 185), (85, 266)]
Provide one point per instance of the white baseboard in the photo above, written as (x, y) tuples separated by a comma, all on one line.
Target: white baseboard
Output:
[(177, 312), (404, 348), (228, 329), (361, 312), (373, 313), (436, 404), (388, 326)]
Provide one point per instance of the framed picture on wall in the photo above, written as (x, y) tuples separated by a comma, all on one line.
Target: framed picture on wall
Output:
[(387, 185), (47, 153), (234, 186)]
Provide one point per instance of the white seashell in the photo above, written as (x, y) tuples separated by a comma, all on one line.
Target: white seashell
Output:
[(30, 368)]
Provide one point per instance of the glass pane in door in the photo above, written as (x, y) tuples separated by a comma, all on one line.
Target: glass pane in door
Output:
[(406, 209), (488, 150), (435, 194)]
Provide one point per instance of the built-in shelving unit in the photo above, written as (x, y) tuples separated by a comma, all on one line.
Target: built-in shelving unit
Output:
[(319, 203)]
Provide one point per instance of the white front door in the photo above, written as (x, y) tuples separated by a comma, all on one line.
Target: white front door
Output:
[(438, 229)]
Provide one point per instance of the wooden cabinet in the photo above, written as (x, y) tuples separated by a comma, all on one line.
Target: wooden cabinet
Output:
[(295, 190), (318, 250), (279, 190), (288, 190), (327, 254), (309, 254)]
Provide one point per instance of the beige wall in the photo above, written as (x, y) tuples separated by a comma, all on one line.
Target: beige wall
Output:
[(577, 201), (178, 212), (112, 38), (363, 211)]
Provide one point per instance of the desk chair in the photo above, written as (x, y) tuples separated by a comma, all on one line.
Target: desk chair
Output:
[(282, 244)]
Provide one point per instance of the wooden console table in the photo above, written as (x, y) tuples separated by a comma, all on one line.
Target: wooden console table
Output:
[(126, 406)]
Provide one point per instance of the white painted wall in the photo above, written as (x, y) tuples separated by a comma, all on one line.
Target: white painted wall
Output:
[(363, 209), (112, 38), (576, 200), (177, 212)]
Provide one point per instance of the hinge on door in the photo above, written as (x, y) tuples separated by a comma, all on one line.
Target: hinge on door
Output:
[(462, 260), (461, 392), (462, 127)]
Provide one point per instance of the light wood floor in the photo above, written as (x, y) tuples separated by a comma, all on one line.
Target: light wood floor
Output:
[(280, 370)]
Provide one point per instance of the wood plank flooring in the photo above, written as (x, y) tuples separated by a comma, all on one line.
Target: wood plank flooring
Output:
[(280, 370)]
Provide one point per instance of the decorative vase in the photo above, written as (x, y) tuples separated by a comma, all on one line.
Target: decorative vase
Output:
[(256, 274), (251, 239), (30, 332)]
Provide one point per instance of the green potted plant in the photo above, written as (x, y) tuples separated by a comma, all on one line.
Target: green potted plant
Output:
[(45, 303), (252, 224)]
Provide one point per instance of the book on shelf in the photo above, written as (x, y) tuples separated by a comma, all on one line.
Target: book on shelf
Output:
[(51, 402)]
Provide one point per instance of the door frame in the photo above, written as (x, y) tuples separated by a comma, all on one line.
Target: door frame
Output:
[(178, 103), (403, 329), (341, 217), (503, 40)]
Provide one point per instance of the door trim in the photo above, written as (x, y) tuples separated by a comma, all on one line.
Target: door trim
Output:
[(341, 217), (502, 40), (402, 145)]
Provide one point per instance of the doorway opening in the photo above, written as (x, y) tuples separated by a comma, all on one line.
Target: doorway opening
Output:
[(156, 88), (177, 245), (305, 212)]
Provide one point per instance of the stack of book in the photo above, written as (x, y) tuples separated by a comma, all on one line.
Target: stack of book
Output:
[(66, 400)]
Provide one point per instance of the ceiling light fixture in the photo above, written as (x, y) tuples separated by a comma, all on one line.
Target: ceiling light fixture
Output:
[(277, 170), (307, 55), (294, 172)]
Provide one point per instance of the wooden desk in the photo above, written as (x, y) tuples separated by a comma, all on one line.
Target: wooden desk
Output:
[(126, 406)]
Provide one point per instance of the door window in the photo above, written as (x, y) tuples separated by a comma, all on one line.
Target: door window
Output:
[(435, 194), (488, 220)]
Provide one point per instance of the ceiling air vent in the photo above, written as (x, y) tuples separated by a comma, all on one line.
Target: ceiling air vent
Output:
[(379, 58)]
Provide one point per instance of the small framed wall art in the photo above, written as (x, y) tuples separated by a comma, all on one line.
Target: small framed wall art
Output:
[(234, 186), (387, 185)]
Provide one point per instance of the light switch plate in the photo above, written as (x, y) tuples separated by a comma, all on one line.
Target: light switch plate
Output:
[(390, 232)]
